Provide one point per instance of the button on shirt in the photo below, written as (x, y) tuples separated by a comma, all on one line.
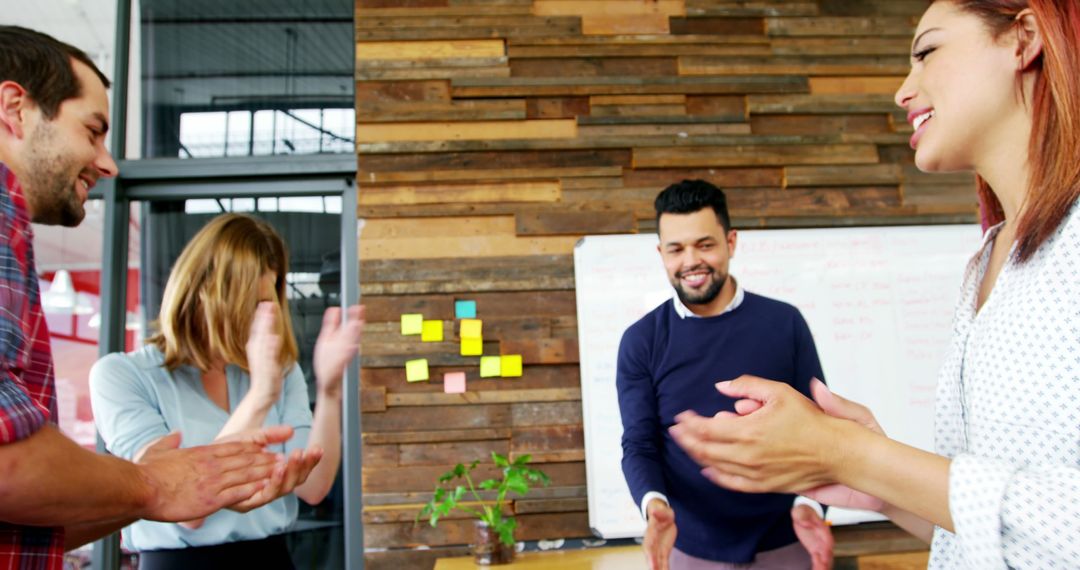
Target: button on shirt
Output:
[(27, 387), (1008, 413)]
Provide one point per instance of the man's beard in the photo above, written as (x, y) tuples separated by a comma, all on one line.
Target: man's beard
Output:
[(51, 189), (705, 297)]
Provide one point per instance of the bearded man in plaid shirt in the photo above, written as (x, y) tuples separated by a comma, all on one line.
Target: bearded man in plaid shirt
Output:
[(55, 495)]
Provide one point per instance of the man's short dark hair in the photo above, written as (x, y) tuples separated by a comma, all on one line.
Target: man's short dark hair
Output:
[(690, 196), (42, 65)]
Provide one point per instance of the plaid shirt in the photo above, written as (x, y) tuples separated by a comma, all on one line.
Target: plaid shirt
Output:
[(27, 388)]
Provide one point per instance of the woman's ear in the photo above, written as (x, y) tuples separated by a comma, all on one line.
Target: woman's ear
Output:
[(1029, 44)]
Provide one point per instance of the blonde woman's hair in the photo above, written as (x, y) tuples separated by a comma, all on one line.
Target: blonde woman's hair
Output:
[(212, 293)]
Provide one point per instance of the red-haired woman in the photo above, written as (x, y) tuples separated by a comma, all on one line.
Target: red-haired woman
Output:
[(993, 88)]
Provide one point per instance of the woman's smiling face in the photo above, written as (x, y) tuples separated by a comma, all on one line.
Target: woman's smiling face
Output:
[(962, 92)]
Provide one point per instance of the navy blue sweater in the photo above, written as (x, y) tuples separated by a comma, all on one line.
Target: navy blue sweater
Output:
[(668, 365)]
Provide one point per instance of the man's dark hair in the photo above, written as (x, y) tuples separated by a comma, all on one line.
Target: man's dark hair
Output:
[(42, 65), (690, 196)]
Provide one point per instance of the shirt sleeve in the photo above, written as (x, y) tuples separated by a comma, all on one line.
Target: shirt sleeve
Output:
[(1000, 509), (20, 415), (807, 363), (642, 437), (126, 412), (296, 409)]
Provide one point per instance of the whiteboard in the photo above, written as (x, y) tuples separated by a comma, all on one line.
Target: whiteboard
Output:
[(879, 302)]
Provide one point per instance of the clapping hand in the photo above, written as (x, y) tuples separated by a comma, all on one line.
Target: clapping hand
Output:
[(287, 475), (188, 484), (659, 535), (338, 343), (264, 352)]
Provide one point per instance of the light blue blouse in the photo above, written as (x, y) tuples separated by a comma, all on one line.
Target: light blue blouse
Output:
[(136, 400)]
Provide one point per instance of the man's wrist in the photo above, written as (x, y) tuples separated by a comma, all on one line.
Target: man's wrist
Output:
[(648, 499), (145, 491)]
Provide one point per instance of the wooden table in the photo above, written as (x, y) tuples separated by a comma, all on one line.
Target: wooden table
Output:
[(603, 558), (868, 546)]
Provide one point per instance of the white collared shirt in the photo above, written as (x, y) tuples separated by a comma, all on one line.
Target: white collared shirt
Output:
[(1008, 413), (683, 311)]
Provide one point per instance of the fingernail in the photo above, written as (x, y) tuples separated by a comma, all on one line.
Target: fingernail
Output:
[(675, 430), (823, 385), (723, 385)]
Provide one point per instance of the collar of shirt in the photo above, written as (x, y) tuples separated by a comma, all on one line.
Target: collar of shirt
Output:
[(684, 312)]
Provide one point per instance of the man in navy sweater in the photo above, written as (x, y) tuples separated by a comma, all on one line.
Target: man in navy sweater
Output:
[(669, 362)]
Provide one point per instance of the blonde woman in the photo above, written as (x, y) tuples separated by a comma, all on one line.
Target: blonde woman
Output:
[(223, 361)]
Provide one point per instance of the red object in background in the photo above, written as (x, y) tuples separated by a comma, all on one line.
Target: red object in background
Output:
[(75, 349)]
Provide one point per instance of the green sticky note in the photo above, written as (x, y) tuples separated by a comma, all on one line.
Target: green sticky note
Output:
[(490, 366), (416, 370), (510, 365), (472, 346), (412, 323), (471, 328), (431, 331)]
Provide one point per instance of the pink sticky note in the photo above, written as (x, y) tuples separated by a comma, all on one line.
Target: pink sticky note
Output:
[(454, 382)]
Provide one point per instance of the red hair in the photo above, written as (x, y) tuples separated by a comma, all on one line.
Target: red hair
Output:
[(1054, 181)]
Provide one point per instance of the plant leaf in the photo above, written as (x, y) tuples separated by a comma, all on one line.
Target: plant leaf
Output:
[(499, 460), (516, 482), (523, 459), (489, 484), (506, 530)]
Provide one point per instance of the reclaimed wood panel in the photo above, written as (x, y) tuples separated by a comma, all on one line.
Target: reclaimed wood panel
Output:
[(793, 65), (608, 7), (751, 8), (492, 134), (443, 111), (575, 223), (597, 67), (763, 155), (485, 175), (850, 85), (472, 130), (413, 50), (842, 26), (554, 86), (525, 191), (613, 25)]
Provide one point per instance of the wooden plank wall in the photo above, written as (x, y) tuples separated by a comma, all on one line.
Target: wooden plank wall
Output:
[(492, 134)]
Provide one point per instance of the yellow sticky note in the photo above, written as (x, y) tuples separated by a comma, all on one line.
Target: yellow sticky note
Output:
[(471, 328), (432, 331), (416, 370), (412, 323), (472, 346), (510, 365), (490, 366)]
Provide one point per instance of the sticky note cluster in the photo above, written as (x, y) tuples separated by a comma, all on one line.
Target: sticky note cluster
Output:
[(471, 336)]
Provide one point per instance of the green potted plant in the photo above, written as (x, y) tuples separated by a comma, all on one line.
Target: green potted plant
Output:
[(494, 528)]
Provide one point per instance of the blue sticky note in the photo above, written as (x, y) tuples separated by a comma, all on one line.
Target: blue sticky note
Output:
[(465, 309)]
